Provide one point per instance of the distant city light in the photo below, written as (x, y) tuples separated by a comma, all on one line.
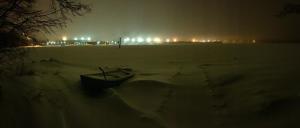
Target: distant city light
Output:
[(133, 40), (174, 39), (140, 39), (64, 38), (89, 38), (157, 40), (82, 38), (149, 40), (127, 39), (75, 38), (168, 40), (194, 40)]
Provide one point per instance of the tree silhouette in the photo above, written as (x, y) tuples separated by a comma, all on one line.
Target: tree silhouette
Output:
[(20, 19)]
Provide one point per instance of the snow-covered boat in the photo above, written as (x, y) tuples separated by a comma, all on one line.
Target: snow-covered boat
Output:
[(106, 79)]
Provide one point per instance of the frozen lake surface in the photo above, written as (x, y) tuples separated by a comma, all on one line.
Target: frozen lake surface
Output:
[(212, 86)]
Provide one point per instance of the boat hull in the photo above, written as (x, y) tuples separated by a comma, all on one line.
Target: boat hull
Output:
[(101, 81)]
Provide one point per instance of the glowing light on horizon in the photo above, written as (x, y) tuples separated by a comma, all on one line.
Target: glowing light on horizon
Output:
[(140, 39), (133, 40), (75, 38), (174, 39), (127, 39), (89, 38), (157, 40), (82, 38), (168, 40), (149, 40), (64, 38), (194, 40)]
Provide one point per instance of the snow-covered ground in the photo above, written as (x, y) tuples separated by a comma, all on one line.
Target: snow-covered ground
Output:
[(191, 86)]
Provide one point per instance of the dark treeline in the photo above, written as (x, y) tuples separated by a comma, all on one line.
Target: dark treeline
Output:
[(20, 19)]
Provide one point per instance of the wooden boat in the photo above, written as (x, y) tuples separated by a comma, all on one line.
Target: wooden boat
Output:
[(106, 79)]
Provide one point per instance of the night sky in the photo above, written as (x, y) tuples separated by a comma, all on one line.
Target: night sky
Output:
[(185, 19)]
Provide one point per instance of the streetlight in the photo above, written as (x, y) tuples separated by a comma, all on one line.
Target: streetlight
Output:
[(133, 40), (194, 40), (149, 40), (140, 39), (157, 40), (64, 38), (89, 38), (174, 39), (168, 40), (127, 39)]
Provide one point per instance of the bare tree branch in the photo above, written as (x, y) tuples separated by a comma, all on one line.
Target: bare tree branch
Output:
[(20, 16)]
